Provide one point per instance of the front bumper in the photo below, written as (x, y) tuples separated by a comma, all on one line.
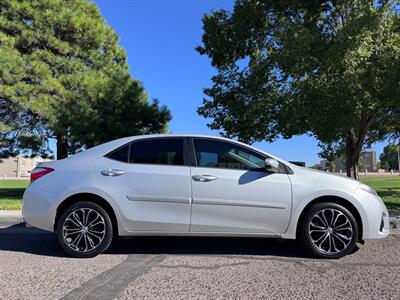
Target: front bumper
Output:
[(375, 215), (38, 209)]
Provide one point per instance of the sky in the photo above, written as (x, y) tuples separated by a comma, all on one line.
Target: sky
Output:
[(159, 37)]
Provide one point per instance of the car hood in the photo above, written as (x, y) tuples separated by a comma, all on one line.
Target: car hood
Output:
[(326, 173), (324, 179)]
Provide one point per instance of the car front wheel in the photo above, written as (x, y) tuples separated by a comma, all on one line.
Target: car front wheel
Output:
[(84, 230), (329, 230)]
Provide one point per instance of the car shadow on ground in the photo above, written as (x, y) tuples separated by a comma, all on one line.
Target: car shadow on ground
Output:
[(37, 242), (208, 246)]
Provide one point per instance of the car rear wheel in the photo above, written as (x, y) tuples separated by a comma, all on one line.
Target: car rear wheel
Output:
[(329, 230), (85, 230)]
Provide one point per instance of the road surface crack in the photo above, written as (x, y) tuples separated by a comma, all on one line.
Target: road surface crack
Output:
[(203, 267)]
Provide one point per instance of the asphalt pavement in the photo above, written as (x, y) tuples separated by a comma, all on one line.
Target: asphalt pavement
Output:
[(33, 266)]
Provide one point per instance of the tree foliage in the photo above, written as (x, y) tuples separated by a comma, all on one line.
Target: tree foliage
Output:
[(389, 157), (329, 69), (64, 76)]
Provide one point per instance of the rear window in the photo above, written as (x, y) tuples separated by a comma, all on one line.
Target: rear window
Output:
[(120, 154)]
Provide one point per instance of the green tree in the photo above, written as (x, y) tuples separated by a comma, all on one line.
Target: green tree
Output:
[(389, 157), (123, 110), (64, 76), (329, 69), (330, 152)]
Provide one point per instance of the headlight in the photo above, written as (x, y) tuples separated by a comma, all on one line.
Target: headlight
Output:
[(366, 188)]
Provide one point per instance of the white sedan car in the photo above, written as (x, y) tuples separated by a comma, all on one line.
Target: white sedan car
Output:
[(197, 186)]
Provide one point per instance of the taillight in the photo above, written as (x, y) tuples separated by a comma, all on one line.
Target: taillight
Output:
[(40, 172)]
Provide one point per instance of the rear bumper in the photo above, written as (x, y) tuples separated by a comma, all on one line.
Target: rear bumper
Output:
[(38, 209)]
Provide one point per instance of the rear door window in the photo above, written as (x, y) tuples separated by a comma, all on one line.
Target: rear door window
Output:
[(168, 151)]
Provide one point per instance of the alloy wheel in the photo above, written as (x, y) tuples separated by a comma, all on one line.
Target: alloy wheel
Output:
[(330, 231), (84, 230)]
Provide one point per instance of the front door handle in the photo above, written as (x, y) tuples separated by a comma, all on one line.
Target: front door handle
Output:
[(204, 178), (112, 172)]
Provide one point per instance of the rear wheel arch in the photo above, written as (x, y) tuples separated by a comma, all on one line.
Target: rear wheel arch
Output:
[(87, 197), (338, 200)]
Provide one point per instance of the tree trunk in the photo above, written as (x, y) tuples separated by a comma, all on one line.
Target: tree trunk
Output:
[(352, 167), (352, 156), (62, 146), (354, 145)]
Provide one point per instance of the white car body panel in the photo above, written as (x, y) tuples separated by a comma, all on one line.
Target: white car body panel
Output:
[(164, 200), (241, 201), (151, 197)]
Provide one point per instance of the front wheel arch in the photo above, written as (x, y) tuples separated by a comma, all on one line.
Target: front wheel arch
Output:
[(87, 197), (338, 200)]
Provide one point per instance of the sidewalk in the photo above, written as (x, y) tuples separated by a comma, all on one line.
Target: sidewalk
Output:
[(12, 217)]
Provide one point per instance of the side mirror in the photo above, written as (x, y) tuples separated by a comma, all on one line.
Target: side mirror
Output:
[(271, 165)]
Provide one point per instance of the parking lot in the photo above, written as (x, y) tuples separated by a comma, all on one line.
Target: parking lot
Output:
[(32, 266)]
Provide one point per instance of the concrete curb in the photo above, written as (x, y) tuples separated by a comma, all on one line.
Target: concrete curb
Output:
[(11, 217), (394, 219)]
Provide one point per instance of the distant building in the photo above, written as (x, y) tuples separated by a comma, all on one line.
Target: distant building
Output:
[(367, 162), (299, 163), (19, 166)]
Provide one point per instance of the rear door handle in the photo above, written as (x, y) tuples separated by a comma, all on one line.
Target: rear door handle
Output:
[(112, 172), (204, 178)]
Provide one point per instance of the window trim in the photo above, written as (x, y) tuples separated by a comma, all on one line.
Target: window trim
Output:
[(189, 153), (192, 152), (195, 164), (185, 150)]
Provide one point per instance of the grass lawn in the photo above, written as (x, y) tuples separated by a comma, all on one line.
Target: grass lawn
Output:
[(388, 188), (11, 192)]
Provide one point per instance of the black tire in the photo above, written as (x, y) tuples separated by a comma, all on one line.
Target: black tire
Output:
[(104, 238), (337, 240)]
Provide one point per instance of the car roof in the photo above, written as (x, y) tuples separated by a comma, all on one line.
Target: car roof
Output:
[(105, 148)]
